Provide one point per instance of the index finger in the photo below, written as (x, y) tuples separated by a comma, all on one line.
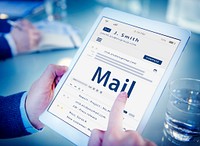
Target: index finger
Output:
[(116, 113)]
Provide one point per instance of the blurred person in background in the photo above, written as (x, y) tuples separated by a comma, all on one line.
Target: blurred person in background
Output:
[(17, 39)]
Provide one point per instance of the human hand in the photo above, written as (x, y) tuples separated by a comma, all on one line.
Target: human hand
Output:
[(115, 135), (41, 93), (27, 38)]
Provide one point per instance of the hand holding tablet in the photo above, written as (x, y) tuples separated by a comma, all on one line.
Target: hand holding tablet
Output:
[(122, 52), (41, 93)]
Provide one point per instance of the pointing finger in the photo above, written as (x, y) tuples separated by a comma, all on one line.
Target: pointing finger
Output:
[(116, 114)]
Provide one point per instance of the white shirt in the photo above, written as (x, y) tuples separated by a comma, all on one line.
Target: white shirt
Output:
[(11, 43)]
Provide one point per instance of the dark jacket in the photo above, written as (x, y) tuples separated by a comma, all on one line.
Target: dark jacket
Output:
[(5, 51), (11, 124)]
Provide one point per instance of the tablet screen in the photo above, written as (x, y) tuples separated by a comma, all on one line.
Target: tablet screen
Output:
[(118, 57)]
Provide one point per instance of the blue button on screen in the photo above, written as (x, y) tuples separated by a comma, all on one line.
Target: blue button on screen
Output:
[(152, 59)]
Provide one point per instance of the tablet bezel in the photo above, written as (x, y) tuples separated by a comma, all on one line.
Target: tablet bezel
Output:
[(77, 136)]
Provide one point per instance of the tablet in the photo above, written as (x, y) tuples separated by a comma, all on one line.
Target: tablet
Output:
[(122, 52)]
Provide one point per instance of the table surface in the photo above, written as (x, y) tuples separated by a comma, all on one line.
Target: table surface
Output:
[(18, 73)]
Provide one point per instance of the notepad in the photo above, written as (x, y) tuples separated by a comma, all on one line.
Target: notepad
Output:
[(57, 35)]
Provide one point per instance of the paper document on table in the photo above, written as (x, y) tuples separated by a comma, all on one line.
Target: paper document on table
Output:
[(57, 35)]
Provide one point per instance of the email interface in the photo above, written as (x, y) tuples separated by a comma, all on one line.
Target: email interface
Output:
[(118, 57)]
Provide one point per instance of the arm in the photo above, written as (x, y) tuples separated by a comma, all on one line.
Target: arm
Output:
[(19, 41), (11, 124), (5, 27), (38, 98), (5, 51)]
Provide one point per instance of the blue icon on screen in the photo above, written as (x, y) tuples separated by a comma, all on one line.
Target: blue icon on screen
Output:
[(106, 29)]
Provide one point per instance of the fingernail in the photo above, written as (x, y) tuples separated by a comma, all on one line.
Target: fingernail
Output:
[(124, 94)]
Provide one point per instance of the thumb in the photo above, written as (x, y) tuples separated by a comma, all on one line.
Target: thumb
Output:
[(51, 72), (96, 138)]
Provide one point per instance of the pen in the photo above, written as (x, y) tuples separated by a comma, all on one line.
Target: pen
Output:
[(14, 24)]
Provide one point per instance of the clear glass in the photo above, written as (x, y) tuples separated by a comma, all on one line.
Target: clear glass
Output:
[(182, 121)]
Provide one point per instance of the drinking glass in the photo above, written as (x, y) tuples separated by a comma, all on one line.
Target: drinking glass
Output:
[(182, 120)]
